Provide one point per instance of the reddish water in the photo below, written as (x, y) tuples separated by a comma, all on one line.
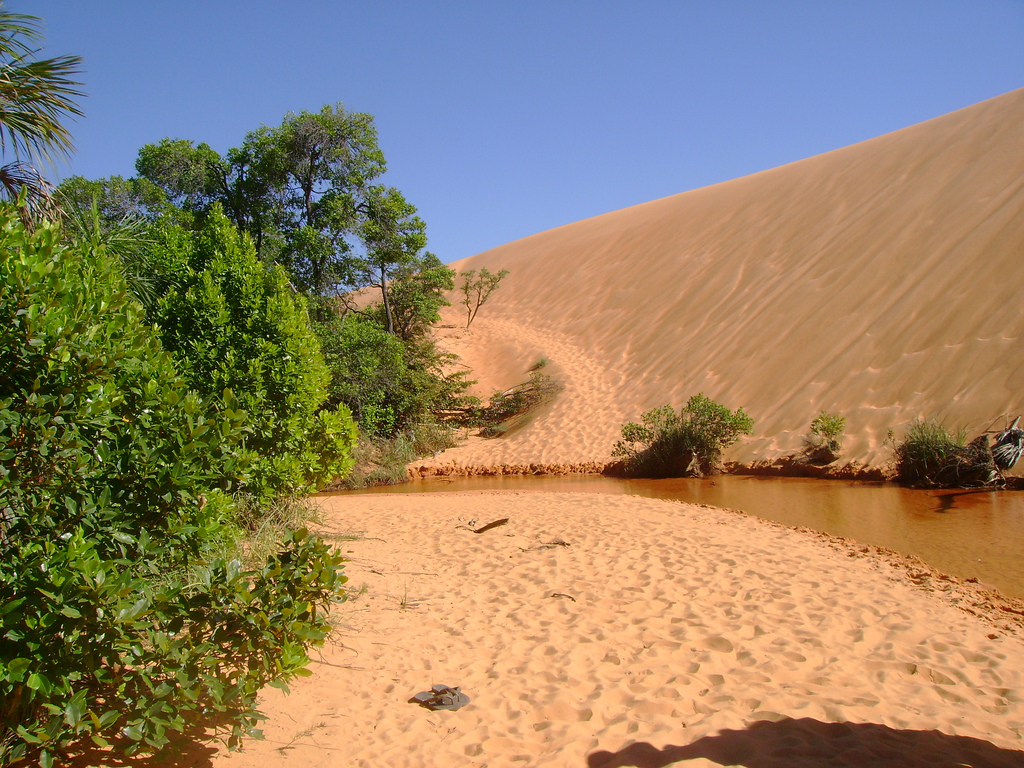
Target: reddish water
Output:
[(976, 534)]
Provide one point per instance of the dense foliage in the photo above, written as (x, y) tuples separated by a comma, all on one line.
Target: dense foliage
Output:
[(124, 617), (688, 443), (306, 193), (233, 323)]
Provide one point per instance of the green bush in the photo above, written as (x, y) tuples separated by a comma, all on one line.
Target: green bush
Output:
[(369, 374), (390, 385), (930, 455), (684, 444), (231, 322), (124, 617), (824, 444)]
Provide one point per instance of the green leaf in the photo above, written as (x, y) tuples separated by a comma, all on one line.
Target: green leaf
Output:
[(75, 709)]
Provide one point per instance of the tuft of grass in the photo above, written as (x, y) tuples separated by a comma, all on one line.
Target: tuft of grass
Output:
[(383, 461), (930, 455), (266, 524)]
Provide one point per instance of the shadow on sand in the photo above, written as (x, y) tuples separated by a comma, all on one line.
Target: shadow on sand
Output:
[(183, 752), (808, 743)]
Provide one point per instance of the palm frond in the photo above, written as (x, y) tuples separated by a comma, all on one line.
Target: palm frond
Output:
[(22, 184), (35, 96)]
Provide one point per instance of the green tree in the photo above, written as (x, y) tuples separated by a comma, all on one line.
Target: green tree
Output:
[(117, 199), (36, 97), (232, 322), (122, 620), (192, 177), (393, 237), (417, 294), (477, 288)]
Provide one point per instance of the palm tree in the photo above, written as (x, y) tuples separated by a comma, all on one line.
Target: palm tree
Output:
[(35, 97)]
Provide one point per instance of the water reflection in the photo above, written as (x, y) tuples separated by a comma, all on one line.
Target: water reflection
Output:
[(968, 533)]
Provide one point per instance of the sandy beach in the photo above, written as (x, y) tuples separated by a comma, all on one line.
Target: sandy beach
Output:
[(596, 630)]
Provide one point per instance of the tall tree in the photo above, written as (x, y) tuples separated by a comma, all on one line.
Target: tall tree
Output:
[(392, 236), (35, 99)]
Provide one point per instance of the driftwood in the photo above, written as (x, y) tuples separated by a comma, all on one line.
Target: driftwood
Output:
[(1008, 446)]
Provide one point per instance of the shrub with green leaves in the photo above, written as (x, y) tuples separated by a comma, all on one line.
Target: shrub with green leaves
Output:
[(510, 410), (684, 444), (232, 322), (824, 444), (123, 616)]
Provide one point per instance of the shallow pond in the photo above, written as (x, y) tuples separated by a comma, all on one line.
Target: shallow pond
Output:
[(966, 533)]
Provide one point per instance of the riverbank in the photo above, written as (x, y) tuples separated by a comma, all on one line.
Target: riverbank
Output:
[(588, 623), (788, 466)]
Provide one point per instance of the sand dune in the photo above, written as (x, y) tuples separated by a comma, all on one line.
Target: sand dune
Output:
[(881, 281), (599, 630)]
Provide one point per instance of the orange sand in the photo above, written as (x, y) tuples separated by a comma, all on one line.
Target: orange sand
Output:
[(881, 281), (651, 624)]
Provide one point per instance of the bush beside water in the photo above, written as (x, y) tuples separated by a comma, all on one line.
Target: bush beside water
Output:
[(930, 455), (684, 444)]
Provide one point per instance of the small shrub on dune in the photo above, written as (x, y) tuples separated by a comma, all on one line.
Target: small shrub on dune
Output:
[(685, 444), (824, 445), (510, 410)]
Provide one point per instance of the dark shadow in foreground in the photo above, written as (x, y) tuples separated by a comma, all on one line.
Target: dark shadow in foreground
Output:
[(194, 749), (808, 743)]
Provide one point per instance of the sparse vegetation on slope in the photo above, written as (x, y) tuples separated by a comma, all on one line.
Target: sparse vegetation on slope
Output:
[(824, 445), (510, 410)]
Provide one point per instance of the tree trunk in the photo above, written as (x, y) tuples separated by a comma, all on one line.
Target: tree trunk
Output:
[(387, 300)]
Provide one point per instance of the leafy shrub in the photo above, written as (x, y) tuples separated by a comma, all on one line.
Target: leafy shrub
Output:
[(389, 385), (369, 374), (123, 617), (932, 456), (824, 445), (231, 322), (684, 444)]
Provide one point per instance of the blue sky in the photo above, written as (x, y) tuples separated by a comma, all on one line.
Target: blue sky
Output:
[(502, 119)]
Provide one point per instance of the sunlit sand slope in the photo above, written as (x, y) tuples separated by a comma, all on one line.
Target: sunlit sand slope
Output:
[(882, 281)]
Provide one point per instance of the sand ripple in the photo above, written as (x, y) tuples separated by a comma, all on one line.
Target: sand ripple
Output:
[(591, 623)]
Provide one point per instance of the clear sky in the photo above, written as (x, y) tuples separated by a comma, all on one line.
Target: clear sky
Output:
[(502, 118)]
